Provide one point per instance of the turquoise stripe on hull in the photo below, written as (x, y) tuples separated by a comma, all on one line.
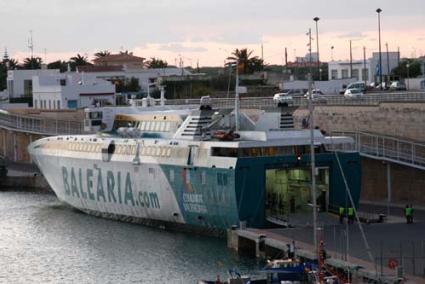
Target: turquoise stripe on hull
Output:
[(206, 196)]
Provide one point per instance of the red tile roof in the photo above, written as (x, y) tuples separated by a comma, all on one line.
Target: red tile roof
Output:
[(116, 58)]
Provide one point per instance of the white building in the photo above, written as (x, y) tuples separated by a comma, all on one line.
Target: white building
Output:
[(71, 91), (145, 77), (389, 60), (19, 82), (357, 70), (361, 72)]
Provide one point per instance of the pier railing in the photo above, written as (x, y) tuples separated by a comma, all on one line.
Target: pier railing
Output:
[(39, 125), (393, 149), (263, 102)]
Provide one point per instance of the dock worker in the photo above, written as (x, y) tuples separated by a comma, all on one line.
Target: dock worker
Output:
[(350, 215), (409, 214), (341, 214), (406, 213)]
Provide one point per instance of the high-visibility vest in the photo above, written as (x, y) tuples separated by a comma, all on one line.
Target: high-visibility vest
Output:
[(341, 210), (350, 211), (409, 211)]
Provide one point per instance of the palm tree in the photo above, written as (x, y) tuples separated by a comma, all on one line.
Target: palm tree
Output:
[(156, 63), (32, 63), (79, 60), (241, 58), (246, 63), (126, 52), (101, 54)]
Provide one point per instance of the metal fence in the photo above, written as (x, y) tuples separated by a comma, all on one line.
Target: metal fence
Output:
[(261, 102), (377, 146), (39, 125)]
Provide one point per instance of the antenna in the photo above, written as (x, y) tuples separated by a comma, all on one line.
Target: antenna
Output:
[(31, 44)]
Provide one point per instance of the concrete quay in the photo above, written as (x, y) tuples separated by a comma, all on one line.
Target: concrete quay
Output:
[(384, 239)]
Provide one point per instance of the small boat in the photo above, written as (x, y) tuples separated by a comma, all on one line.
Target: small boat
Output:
[(274, 272)]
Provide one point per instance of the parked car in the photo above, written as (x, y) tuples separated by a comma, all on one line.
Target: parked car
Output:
[(357, 85), (318, 95), (342, 90), (283, 99), (398, 86), (353, 94)]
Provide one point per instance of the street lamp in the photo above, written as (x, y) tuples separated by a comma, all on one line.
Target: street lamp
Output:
[(407, 66), (316, 19), (379, 10), (332, 53)]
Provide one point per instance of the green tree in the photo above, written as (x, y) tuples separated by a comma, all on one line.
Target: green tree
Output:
[(78, 60), (101, 54), (246, 63), (128, 85), (32, 63), (126, 52), (401, 70), (59, 64), (156, 63)]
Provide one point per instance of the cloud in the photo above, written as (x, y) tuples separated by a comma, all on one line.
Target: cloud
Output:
[(353, 35), (420, 39), (177, 47)]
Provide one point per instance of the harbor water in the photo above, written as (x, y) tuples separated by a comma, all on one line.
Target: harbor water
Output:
[(45, 241)]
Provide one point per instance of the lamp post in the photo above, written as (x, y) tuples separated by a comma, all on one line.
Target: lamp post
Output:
[(316, 19), (407, 67), (332, 53), (379, 10)]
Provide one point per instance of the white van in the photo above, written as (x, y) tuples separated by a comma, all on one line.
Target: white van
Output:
[(357, 85)]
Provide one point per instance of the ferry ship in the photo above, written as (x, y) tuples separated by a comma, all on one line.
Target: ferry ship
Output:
[(195, 168)]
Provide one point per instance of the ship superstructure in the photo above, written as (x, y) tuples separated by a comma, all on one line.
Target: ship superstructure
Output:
[(190, 167)]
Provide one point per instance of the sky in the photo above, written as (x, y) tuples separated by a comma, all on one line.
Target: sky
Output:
[(207, 31)]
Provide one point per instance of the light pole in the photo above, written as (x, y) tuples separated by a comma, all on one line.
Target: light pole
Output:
[(332, 53), (407, 66), (316, 19), (379, 10)]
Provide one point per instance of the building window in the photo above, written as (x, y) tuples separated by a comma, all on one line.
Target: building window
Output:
[(59, 104), (72, 104), (54, 104), (365, 75), (334, 74), (344, 73), (355, 74), (50, 104), (63, 82), (35, 104), (27, 88)]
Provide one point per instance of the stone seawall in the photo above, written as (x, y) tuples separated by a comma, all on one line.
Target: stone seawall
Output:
[(407, 184), (25, 183), (404, 120)]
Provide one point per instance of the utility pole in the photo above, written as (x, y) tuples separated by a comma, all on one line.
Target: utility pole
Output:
[(351, 61), (388, 64), (316, 19), (31, 47), (379, 10), (364, 66), (237, 98), (313, 162)]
